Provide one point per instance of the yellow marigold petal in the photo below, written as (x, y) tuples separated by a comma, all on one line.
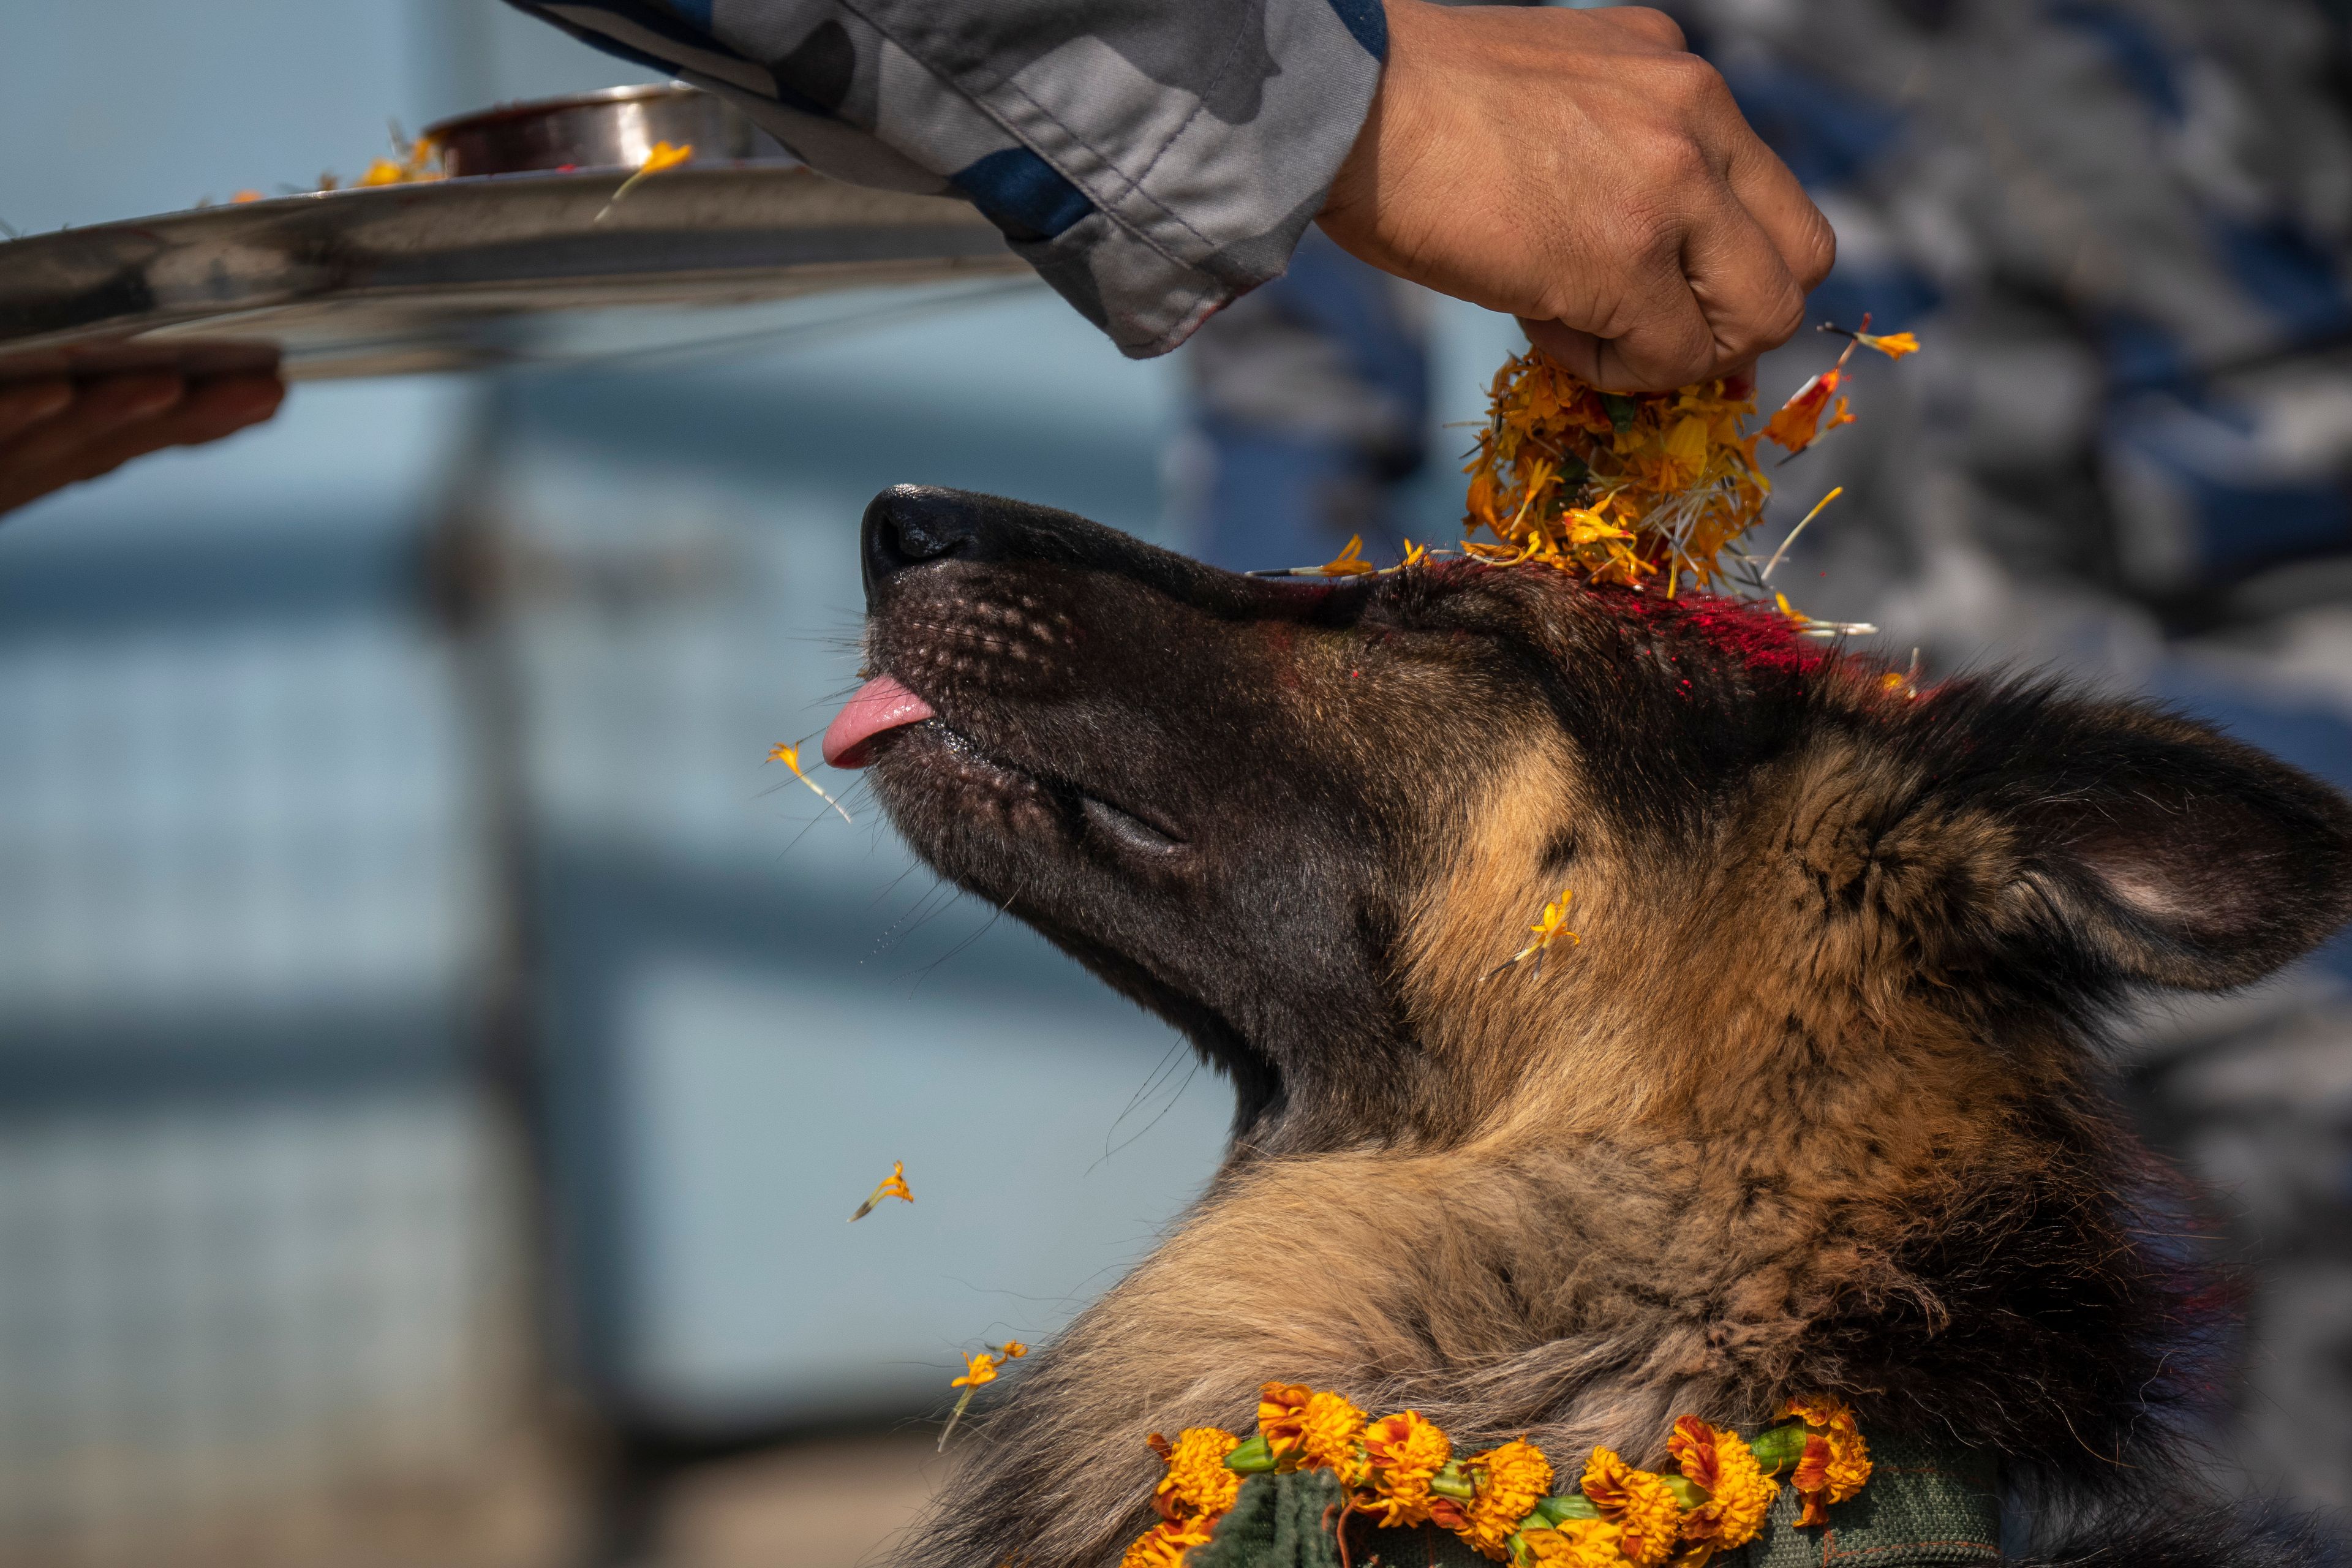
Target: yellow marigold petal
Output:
[(1403, 1453), (1637, 1502), (1578, 1544), (1282, 1418), (1197, 1481), (895, 1186), (1511, 1480), (1739, 1494), (1349, 563), (1837, 1461), (1331, 1434), (1165, 1543)]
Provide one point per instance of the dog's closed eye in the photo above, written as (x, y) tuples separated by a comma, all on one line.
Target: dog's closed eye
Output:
[(1127, 830)]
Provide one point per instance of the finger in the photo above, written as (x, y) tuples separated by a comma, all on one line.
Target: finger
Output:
[(210, 411), (223, 405), (58, 451), (100, 410), (24, 404), (1799, 232), (1666, 341), (1749, 299)]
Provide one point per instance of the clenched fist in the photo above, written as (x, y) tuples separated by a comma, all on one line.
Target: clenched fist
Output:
[(1582, 171)]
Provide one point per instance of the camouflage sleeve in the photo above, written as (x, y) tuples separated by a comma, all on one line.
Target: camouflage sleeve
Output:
[(1153, 158)]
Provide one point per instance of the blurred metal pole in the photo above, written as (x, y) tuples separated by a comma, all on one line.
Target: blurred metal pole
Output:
[(469, 574)]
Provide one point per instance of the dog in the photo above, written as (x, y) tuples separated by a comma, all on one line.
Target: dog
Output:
[(1810, 1106)]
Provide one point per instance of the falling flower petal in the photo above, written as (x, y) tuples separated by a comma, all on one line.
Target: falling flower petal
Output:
[(1549, 928), (1798, 423), (790, 757), (894, 1187), (978, 1370)]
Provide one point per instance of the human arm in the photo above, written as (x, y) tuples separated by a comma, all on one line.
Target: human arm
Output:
[(1155, 160)]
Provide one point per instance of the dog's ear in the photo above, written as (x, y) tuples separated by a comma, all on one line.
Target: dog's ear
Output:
[(2134, 844)]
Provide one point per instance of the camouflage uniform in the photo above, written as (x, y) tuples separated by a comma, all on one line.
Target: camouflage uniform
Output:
[(1152, 159)]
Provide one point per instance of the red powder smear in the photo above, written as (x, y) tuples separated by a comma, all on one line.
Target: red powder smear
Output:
[(1750, 634)]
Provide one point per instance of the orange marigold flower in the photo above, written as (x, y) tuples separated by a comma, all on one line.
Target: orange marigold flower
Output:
[(1197, 1481), (1511, 1480), (1165, 1543), (1638, 1503), (1578, 1544), (1740, 1493), (1405, 1452), (1331, 1436), (1836, 1462), (1894, 345), (1281, 1420)]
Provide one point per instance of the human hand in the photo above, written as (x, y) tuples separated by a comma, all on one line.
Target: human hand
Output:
[(1579, 169), (56, 430)]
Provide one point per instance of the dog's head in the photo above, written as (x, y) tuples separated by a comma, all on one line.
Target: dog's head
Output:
[(1309, 821)]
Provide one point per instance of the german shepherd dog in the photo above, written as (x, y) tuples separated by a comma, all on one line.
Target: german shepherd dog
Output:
[(1814, 1107)]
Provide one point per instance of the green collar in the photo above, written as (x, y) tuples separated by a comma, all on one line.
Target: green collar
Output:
[(1925, 1507)]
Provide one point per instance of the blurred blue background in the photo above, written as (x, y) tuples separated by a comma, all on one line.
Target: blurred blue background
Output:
[(437, 1054)]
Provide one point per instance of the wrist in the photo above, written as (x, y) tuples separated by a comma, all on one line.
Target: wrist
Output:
[(1383, 134)]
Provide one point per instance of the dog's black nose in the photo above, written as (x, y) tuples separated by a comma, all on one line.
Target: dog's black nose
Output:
[(907, 525)]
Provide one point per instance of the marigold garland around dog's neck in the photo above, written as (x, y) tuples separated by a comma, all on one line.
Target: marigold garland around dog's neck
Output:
[(1399, 1470)]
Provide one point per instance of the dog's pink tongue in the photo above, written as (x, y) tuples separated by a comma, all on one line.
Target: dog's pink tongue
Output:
[(881, 705)]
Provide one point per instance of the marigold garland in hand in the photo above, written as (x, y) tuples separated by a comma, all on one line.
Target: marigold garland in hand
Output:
[(1646, 490)]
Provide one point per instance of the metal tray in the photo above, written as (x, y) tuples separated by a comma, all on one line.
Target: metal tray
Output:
[(464, 273)]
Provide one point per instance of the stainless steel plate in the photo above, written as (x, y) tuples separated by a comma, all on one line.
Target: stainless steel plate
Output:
[(612, 128), (462, 273)]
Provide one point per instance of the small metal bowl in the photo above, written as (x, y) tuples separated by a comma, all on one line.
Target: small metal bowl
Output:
[(614, 129)]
